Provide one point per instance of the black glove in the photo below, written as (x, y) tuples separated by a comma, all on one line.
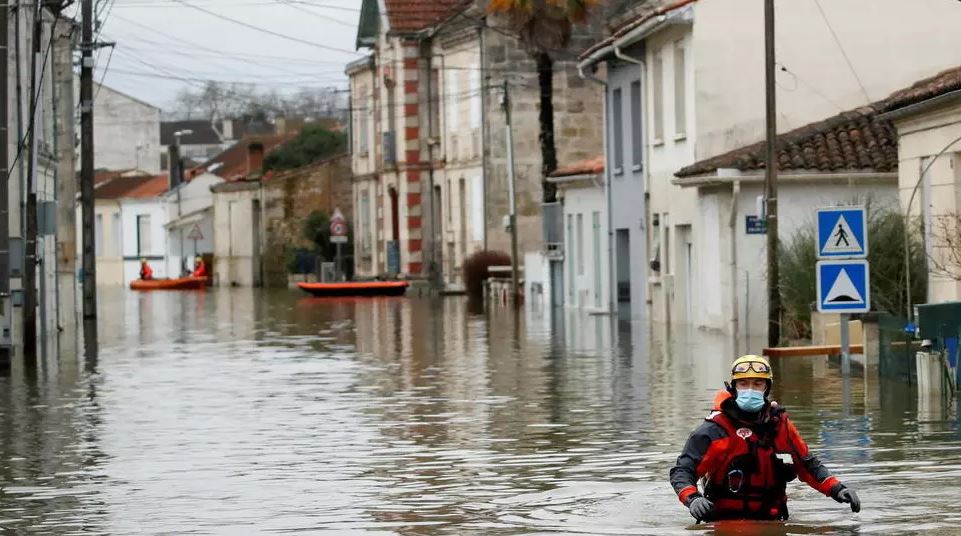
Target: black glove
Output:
[(700, 507), (842, 494)]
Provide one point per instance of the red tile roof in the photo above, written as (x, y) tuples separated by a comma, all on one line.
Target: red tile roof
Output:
[(857, 140), (939, 84), (415, 15), (140, 187), (634, 23), (591, 166), (234, 158)]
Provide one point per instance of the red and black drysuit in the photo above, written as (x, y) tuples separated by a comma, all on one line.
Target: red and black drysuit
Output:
[(737, 453)]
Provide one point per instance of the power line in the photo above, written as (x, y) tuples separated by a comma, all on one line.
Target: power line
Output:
[(168, 4), (35, 101), (843, 52), (264, 30), (294, 5), (104, 75)]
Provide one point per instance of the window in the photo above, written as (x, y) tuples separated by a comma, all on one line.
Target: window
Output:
[(657, 81), (115, 229), (143, 235), (434, 102), (451, 91), (596, 239), (363, 116), (570, 257), (98, 236), (364, 222), (477, 208), (475, 96), (637, 129), (680, 91), (617, 124), (580, 244)]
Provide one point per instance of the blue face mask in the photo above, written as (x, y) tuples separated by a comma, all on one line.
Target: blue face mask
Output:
[(750, 400)]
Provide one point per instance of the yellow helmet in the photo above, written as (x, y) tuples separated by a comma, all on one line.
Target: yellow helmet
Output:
[(751, 366)]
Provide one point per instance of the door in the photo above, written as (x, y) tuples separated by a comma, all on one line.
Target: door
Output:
[(598, 270)]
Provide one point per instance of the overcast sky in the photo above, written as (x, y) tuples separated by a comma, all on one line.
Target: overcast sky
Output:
[(164, 46)]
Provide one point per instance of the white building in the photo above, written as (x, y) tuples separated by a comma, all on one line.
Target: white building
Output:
[(928, 120), (700, 64), (586, 272), (127, 135), (129, 218), (190, 222)]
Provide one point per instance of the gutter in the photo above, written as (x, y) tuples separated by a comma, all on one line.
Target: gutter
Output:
[(718, 180), (922, 106)]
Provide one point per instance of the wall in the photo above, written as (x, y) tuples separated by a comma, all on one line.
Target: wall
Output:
[(458, 218), (289, 198), (127, 134), (586, 269), (578, 130), (672, 143), (188, 201), (920, 138), (875, 34), (156, 253), (237, 235), (110, 260), (798, 201), (628, 201)]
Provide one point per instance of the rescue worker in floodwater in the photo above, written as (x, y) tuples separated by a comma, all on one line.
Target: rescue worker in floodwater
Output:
[(736, 449), (200, 269)]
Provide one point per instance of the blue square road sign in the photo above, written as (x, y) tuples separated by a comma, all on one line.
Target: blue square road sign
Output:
[(844, 286), (842, 232)]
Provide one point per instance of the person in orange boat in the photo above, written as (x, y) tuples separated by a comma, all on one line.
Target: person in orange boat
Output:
[(146, 272), (738, 449), (200, 269)]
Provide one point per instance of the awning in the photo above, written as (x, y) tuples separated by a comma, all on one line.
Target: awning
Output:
[(191, 218)]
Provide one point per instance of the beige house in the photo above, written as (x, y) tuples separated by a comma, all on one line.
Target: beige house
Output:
[(429, 149), (927, 116)]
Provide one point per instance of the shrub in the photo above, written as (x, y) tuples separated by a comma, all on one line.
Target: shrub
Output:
[(886, 230), (312, 144), (476, 270)]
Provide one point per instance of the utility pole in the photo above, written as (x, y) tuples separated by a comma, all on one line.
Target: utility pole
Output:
[(86, 171), (511, 193), (773, 273), (30, 255), (5, 304)]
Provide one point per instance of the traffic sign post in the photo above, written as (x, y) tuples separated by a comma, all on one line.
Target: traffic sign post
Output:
[(338, 236), (844, 282)]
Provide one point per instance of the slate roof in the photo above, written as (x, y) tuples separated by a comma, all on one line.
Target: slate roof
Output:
[(203, 132)]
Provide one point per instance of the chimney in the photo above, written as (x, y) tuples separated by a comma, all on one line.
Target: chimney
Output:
[(228, 129), (175, 166), (255, 158)]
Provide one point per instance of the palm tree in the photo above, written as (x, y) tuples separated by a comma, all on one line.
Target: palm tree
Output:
[(544, 26)]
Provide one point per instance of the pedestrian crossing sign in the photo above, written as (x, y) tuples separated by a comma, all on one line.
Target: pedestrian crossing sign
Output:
[(844, 286), (842, 232)]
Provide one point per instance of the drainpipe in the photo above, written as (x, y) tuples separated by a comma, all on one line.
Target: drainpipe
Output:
[(611, 273), (735, 195)]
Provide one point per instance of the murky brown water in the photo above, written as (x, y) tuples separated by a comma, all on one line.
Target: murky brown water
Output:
[(247, 412)]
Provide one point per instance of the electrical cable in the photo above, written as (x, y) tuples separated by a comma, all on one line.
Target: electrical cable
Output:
[(843, 52)]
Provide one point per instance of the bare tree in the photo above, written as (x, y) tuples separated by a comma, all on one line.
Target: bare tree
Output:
[(945, 256)]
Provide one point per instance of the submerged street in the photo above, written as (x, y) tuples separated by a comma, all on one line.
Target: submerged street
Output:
[(243, 411)]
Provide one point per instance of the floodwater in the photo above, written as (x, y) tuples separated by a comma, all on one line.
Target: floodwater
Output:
[(248, 412)]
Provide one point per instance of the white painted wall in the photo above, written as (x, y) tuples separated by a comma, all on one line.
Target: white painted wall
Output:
[(127, 134), (237, 238), (156, 250), (921, 137), (586, 268), (891, 44), (194, 196), (798, 201)]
